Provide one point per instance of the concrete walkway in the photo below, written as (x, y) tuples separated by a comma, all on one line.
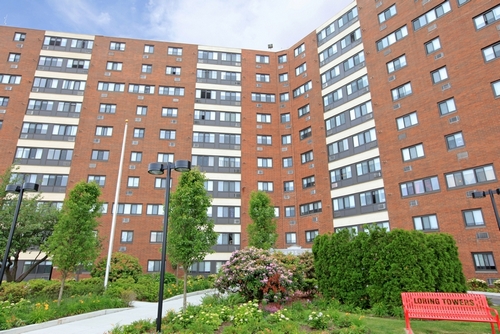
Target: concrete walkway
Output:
[(101, 322)]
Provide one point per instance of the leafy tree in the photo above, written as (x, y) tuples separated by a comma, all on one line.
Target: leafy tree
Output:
[(73, 242), (34, 225), (262, 231), (191, 234), (122, 266)]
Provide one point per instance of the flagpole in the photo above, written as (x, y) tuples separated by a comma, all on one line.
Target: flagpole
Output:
[(115, 208)]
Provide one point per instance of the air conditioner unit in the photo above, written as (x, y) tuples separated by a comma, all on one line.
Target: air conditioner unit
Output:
[(290, 171), (100, 117), (140, 97), (13, 66), (71, 138), (131, 167), (396, 106), (135, 142), (283, 149), (313, 191), (92, 165), (454, 119), (392, 78), (196, 145), (407, 169), (482, 235), (237, 221), (171, 144), (259, 148), (260, 172), (177, 79), (259, 126), (334, 185), (145, 56), (446, 86), (311, 166), (178, 59), (414, 203), (104, 95), (439, 55), (97, 140), (174, 121), (259, 105), (23, 136), (138, 119), (125, 220), (381, 206), (122, 249), (143, 76)]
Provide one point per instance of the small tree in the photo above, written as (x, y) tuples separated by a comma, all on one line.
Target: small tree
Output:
[(122, 266), (262, 231), (191, 234), (74, 242)]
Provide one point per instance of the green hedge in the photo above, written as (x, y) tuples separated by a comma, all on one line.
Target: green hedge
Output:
[(375, 267)]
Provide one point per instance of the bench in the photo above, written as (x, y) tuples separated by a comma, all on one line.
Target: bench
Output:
[(448, 306)]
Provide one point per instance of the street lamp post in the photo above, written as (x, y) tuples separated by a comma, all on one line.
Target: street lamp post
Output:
[(16, 188), (481, 194), (157, 168)]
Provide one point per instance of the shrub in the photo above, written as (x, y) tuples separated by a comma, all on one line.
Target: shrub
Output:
[(13, 292), (122, 266), (86, 286), (256, 275), (477, 284)]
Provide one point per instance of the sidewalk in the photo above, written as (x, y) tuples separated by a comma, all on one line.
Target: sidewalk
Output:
[(101, 322)]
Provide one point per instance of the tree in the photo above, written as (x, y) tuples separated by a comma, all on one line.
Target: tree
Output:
[(262, 231), (191, 234), (122, 266), (74, 242), (34, 225)]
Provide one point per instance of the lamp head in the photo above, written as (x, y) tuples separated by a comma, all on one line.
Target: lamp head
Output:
[(182, 165), (155, 168), (478, 194), (13, 188), (27, 186)]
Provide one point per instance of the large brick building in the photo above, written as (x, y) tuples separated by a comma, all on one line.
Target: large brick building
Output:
[(386, 114)]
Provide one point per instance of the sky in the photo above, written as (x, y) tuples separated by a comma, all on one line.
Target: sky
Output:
[(249, 24)]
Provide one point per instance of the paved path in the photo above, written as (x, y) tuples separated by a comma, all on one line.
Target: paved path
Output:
[(101, 322)]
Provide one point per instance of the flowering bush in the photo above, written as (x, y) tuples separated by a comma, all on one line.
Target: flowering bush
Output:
[(245, 313), (476, 284), (256, 275), (278, 316)]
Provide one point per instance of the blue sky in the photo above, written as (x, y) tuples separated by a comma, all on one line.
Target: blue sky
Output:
[(251, 24)]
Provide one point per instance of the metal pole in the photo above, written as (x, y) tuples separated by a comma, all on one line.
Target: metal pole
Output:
[(494, 204), (115, 209), (164, 249), (11, 234)]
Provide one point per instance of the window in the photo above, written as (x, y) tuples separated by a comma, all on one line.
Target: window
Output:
[(200, 137), (330, 74), (357, 85), (201, 267), (298, 50), (413, 152), (154, 265), (323, 34), (396, 64), (12, 79), (111, 86), (431, 15), (167, 134), (447, 106), (282, 59), (117, 46), (155, 209), (461, 2), (392, 38), (260, 97), (175, 91), (1, 124), (406, 121), (265, 186), (387, 14), (133, 182), (127, 236), (76, 63), (487, 17), (372, 197), (433, 45), (265, 162), (135, 156), (276, 212), (426, 223), (264, 140), (300, 69), (262, 59), (169, 112), (141, 110), (304, 110), (455, 140), (473, 217), (206, 74), (470, 176), (229, 139), (107, 108), (228, 239), (174, 51), (170, 70), (307, 132), (353, 61), (484, 261), (284, 97), (19, 36), (228, 116), (338, 146), (351, 38), (439, 75), (285, 118), (100, 155), (160, 182), (230, 76), (289, 211), (4, 101), (139, 132), (230, 96), (308, 182), (286, 139), (496, 88), (165, 157), (283, 77), (489, 53), (302, 89), (228, 212), (262, 77), (288, 186), (344, 203), (418, 187), (327, 55), (114, 66), (347, 17), (99, 179), (310, 235), (287, 162), (130, 209), (149, 48), (401, 91), (14, 57), (104, 131), (263, 118), (55, 41), (306, 157), (155, 236), (291, 238), (332, 97), (146, 68), (340, 174), (141, 89), (29, 153), (364, 137)]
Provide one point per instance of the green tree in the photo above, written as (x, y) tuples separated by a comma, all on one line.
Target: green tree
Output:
[(262, 231), (34, 225), (74, 242), (191, 234), (122, 266)]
